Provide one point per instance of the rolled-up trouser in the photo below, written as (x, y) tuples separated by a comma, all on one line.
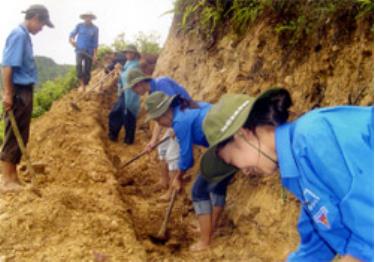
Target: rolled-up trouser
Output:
[(206, 195), (170, 152), (83, 67), (22, 109)]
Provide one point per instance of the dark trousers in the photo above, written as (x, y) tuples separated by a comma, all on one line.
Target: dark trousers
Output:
[(22, 109), (202, 188), (118, 118), (83, 67)]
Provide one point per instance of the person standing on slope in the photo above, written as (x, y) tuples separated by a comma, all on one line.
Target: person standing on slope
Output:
[(84, 38), (19, 76)]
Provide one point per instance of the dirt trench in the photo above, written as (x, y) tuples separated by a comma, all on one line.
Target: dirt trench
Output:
[(91, 209)]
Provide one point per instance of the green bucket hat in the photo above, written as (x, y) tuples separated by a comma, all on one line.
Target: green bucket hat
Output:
[(131, 48), (224, 119), (157, 104), (136, 76)]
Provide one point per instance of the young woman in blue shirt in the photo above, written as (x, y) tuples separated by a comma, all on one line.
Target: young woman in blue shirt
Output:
[(186, 118), (325, 158)]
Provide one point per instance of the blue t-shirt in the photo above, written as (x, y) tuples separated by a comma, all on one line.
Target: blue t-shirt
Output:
[(132, 100), (18, 54), (326, 160), (87, 39), (187, 126), (169, 87)]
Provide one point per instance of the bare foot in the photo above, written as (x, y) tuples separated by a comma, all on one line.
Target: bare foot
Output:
[(199, 246), (10, 187)]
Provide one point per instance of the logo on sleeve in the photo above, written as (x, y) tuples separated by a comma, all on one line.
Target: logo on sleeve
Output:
[(310, 199), (321, 217)]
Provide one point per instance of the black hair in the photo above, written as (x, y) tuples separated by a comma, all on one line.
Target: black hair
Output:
[(183, 103), (271, 108)]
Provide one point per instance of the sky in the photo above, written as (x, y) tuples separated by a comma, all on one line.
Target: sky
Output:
[(113, 18)]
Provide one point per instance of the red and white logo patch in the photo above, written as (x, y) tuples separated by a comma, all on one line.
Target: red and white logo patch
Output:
[(321, 217)]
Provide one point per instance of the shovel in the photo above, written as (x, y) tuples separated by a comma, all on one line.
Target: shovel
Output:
[(18, 136), (161, 237), (143, 153)]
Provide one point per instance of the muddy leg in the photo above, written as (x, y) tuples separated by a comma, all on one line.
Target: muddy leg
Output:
[(164, 175), (216, 213), (205, 224)]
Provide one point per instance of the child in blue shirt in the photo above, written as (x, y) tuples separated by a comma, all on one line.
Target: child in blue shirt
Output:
[(325, 158)]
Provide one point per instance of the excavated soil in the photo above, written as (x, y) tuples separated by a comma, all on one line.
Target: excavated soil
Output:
[(92, 209)]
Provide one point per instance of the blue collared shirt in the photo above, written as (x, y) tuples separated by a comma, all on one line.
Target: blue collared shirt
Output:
[(132, 100), (87, 39), (326, 160), (18, 54), (168, 86), (187, 126)]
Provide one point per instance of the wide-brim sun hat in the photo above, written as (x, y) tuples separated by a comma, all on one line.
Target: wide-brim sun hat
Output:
[(87, 14), (157, 104), (223, 120), (136, 76)]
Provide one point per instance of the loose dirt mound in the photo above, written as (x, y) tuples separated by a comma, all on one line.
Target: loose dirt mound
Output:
[(80, 215), (93, 210)]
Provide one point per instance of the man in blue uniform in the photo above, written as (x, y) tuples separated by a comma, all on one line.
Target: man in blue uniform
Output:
[(19, 77), (86, 46)]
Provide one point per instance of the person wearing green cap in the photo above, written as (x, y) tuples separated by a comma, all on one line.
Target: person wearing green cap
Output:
[(325, 158), (142, 84), (19, 76), (186, 120), (125, 110)]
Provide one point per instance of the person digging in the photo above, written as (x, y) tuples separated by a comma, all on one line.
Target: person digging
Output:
[(186, 119), (168, 151)]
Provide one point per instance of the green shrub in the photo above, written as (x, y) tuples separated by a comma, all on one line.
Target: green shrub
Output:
[(212, 16), (293, 20), (244, 13), (148, 43), (51, 91)]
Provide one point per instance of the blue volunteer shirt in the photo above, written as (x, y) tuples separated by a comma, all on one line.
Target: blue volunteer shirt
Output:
[(326, 160), (87, 39), (169, 87), (187, 126), (132, 100), (18, 54)]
